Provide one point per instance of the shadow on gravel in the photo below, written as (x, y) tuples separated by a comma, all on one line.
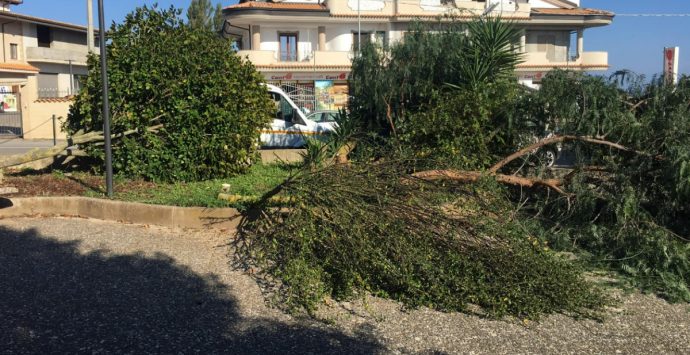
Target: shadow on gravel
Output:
[(54, 299)]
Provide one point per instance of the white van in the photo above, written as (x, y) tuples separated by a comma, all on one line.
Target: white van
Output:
[(290, 125)]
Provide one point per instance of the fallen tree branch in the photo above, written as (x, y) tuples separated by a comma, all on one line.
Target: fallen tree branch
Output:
[(38, 154), (474, 176), (558, 139)]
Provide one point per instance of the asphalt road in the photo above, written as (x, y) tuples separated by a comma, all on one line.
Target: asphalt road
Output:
[(12, 146), (71, 286), (82, 286)]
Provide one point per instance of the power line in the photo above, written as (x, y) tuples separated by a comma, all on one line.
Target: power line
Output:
[(653, 15)]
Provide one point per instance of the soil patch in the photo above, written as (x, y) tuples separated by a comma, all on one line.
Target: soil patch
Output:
[(68, 184)]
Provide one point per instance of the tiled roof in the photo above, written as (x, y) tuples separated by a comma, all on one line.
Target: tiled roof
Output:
[(55, 99), (302, 66), (424, 15), (262, 5), (277, 6), (571, 12), (18, 66), (561, 66)]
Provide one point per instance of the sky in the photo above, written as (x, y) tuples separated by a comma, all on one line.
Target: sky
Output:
[(634, 43)]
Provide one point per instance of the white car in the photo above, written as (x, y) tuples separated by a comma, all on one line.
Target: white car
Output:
[(290, 126)]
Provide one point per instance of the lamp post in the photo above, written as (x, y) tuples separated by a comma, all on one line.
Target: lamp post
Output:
[(90, 43), (106, 104), (359, 27)]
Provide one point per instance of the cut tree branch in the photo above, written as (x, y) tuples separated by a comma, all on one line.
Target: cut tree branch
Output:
[(474, 176), (558, 139), (38, 154)]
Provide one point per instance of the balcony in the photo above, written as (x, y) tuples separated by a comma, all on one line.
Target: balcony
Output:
[(311, 61), (52, 55), (587, 61)]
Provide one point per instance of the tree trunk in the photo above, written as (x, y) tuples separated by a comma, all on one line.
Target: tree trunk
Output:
[(38, 154)]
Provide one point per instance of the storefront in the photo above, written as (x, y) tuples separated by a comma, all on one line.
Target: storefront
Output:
[(315, 91)]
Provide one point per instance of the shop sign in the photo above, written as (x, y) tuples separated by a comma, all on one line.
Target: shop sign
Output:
[(532, 76), (330, 95), (306, 76), (671, 65)]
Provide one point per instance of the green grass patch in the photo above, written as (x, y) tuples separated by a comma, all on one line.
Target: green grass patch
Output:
[(257, 181)]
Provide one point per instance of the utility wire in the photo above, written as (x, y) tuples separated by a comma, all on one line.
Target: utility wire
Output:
[(653, 15)]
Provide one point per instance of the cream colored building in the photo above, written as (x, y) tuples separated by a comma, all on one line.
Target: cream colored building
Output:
[(42, 64), (306, 46)]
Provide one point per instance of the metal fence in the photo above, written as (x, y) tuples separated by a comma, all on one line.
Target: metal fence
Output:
[(301, 94), (11, 124), (305, 95)]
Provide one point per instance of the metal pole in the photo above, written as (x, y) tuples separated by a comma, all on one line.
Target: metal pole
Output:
[(54, 131), (71, 78), (106, 104), (359, 27), (89, 27)]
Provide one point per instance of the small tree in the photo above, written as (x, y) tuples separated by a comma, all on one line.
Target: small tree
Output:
[(202, 14), (211, 104), (440, 92)]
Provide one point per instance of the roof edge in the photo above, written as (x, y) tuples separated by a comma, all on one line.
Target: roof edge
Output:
[(43, 21)]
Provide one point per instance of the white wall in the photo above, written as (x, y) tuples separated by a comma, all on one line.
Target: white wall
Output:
[(541, 3), (340, 37), (29, 35)]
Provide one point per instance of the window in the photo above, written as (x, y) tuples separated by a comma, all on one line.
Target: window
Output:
[(381, 39), (282, 108), (14, 51), (48, 85), (547, 44), (44, 36), (236, 43), (364, 36), (79, 81), (288, 47)]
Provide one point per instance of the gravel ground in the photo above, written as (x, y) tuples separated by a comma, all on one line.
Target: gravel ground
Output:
[(84, 286)]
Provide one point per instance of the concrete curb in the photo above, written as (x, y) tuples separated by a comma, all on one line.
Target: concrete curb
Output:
[(119, 211)]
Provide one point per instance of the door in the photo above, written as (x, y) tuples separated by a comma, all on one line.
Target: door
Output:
[(286, 130), (10, 113)]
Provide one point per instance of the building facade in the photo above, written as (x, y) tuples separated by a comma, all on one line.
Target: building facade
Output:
[(43, 62), (306, 46)]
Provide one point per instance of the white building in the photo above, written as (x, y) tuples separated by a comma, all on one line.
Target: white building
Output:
[(306, 46)]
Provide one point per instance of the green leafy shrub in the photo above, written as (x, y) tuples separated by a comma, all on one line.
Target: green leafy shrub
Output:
[(461, 127), (366, 228), (211, 103)]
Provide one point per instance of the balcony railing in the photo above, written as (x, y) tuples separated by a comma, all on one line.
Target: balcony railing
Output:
[(53, 55), (316, 58), (52, 93), (587, 60)]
